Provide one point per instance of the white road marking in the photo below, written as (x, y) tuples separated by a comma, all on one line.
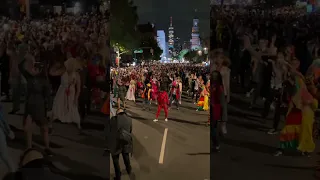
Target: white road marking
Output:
[(163, 146)]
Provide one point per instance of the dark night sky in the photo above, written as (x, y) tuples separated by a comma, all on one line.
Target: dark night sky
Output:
[(182, 12)]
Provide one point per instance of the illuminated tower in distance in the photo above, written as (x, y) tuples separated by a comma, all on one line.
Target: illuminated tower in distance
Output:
[(171, 34), (195, 37)]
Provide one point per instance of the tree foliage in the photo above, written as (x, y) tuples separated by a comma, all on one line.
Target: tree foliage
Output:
[(194, 57), (124, 19)]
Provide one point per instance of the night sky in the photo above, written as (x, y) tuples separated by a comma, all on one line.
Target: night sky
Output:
[(182, 12)]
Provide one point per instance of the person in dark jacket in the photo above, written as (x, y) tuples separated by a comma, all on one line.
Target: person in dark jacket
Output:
[(165, 82), (120, 123)]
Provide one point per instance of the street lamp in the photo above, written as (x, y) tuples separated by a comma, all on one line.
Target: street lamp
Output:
[(205, 50)]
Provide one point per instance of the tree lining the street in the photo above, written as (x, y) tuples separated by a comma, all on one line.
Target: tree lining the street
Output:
[(148, 40), (125, 36), (194, 57), (124, 19)]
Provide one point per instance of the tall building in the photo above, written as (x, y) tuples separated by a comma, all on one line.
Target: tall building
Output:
[(171, 34), (195, 36), (177, 45), (161, 38)]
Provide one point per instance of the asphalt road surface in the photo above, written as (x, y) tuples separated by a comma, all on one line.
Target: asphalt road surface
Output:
[(77, 156), (177, 149), (247, 150)]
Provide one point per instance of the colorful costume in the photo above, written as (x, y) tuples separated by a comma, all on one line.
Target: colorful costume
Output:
[(297, 132), (313, 85), (203, 103), (146, 95)]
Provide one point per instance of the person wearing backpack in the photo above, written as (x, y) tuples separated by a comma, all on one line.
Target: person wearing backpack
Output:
[(119, 141)]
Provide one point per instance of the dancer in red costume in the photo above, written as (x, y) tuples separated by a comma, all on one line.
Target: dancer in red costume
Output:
[(163, 102)]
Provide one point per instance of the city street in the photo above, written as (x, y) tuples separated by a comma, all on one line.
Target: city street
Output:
[(247, 150), (177, 149), (79, 156)]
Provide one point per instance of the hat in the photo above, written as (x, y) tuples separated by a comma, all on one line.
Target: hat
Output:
[(30, 155), (149, 85)]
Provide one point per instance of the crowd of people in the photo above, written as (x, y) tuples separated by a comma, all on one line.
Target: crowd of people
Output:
[(58, 67), (157, 84), (163, 85), (273, 55)]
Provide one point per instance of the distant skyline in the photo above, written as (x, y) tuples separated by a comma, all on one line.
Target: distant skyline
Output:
[(182, 13)]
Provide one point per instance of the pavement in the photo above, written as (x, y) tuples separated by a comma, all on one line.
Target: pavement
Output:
[(77, 155), (246, 151), (186, 154)]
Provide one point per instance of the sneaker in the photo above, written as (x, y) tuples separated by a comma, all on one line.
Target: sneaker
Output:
[(48, 152), (272, 107), (166, 119), (272, 132), (278, 153), (224, 128), (306, 154), (155, 120)]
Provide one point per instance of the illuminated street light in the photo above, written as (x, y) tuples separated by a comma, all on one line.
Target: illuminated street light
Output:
[(200, 52), (205, 50)]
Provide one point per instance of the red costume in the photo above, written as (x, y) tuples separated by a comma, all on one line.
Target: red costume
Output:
[(175, 88), (94, 72), (163, 102)]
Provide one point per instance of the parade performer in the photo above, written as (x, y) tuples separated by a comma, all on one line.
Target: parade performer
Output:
[(163, 102), (140, 87), (146, 95), (175, 94), (131, 91), (154, 84), (297, 132), (203, 103)]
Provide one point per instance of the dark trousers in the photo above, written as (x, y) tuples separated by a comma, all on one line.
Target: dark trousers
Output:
[(126, 159), (274, 96), (84, 102), (214, 131), (243, 73), (5, 87), (195, 94)]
